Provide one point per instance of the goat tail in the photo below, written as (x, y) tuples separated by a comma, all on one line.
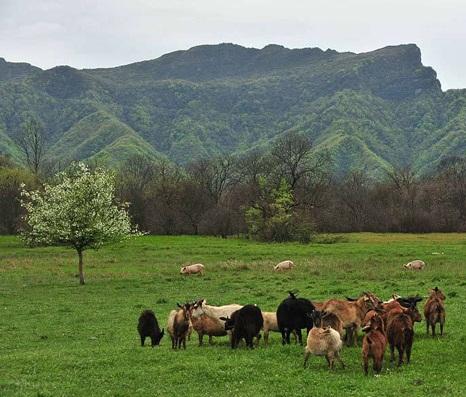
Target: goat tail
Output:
[(408, 335)]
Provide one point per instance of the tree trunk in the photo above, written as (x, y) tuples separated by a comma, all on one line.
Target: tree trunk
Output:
[(81, 274)]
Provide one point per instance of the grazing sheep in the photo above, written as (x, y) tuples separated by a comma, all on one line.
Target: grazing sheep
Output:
[(285, 265), (293, 314), (352, 312), (434, 310), (244, 323), (324, 342), (201, 307), (326, 319), (180, 326), (193, 269), (374, 343), (415, 265), (149, 327)]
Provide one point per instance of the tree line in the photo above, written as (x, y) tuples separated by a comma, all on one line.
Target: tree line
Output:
[(286, 193)]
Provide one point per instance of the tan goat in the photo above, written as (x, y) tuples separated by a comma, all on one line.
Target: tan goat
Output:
[(352, 313), (434, 310)]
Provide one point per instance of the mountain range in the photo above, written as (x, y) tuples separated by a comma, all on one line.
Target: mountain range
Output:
[(371, 111)]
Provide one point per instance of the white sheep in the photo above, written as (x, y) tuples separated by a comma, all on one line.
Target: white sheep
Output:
[(285, 265), (415, 265), (193, 269)]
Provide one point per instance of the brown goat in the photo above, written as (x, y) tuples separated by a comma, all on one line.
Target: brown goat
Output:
[(393, 308), (434, 310), (318, 305), (411, 311), (180, 326), (352, 312), (400, 333), (327, 319), (373, 313), (374, 343), (205, 325)]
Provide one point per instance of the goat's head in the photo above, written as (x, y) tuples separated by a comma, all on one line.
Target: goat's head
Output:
[(229, 323), (158, 337), (437, 293), (184, 310), (375, 323), (409, 301), (316, 317), (412, 312)]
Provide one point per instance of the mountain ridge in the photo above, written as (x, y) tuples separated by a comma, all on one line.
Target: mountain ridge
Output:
[(373, 109)]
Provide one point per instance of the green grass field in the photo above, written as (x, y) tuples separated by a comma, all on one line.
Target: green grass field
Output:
[(62, 339)]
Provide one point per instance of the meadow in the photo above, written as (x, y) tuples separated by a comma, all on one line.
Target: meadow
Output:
[(62, 339)]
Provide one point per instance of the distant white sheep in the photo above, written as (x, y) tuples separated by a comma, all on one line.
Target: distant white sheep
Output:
[(415, 265), (285, 265), (193, 269)]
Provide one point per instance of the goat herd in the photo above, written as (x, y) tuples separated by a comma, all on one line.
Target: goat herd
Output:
[(328, 324)]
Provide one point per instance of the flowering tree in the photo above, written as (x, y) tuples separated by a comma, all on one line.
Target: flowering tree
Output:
[(78, 210)]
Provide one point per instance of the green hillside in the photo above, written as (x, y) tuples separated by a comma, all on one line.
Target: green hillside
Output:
[(372, 111)]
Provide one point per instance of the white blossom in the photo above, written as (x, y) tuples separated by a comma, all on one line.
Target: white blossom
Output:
[(78, 210)]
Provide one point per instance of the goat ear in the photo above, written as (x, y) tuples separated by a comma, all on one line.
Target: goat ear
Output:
[(177, 304)]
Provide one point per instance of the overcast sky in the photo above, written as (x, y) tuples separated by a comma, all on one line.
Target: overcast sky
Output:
[(101, 33)]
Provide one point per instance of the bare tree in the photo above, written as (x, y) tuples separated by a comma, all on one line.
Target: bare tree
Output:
[(133, 181), (164, 195), (193, 203), (32, 141), (214, 175), (354, 192), (292, 154), (452, 180)]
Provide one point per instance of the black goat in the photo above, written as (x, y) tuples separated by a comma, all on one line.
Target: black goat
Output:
[(149, 327), (293, 314), (245, 323)]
